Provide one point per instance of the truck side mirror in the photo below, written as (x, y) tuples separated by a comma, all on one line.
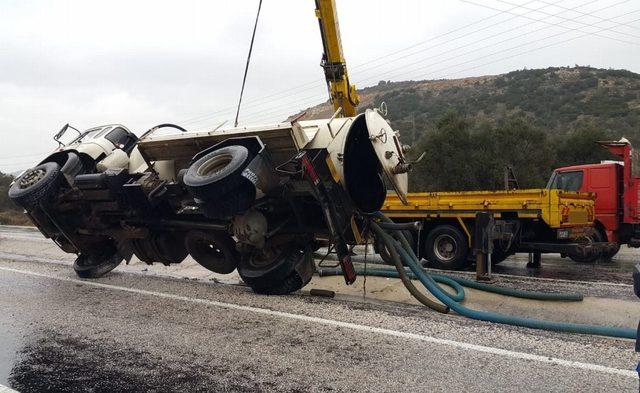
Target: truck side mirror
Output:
[(60, 133)]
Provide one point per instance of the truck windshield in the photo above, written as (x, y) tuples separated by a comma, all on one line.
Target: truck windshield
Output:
[(567, 181), (90, 134)]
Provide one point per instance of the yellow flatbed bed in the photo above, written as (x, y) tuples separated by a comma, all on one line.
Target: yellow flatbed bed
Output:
[(556, 208), (535, 220)]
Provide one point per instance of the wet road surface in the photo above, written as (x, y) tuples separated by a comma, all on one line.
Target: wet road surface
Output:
[(128, 332)]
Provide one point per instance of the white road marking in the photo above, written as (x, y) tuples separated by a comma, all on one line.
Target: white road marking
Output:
[(13, 232), (348, 325)]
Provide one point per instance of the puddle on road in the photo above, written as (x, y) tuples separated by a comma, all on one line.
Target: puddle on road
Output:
[(63, 364), (619, 270), (59, 363)]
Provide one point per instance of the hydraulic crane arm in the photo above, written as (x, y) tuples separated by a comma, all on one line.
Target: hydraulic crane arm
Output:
[(343, 94)]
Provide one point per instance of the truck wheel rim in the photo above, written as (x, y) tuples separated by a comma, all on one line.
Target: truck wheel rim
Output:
[(266, 257), (445, 247), (30, 178), (214, 165)]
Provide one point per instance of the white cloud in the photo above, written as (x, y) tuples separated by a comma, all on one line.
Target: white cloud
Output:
[(145, 62)]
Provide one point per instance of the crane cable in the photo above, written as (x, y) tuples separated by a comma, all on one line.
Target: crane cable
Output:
[(246, 68)]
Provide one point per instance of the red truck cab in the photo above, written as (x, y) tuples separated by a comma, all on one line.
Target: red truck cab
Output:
[(615, 184)]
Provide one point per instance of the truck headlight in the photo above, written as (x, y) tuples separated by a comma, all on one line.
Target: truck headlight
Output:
[(564, 233)]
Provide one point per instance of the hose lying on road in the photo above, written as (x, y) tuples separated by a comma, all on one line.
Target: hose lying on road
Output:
[(402, 254), (404, 277), (458, 283)]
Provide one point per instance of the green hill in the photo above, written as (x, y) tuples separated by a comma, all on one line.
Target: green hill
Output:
[(470, 129), (533, 120)]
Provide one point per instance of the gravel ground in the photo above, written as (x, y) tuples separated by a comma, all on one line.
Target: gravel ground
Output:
[(196, 334)]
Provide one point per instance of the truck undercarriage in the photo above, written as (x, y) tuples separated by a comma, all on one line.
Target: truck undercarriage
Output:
[(236, 203)]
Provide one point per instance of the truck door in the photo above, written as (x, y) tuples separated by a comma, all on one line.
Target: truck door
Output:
[(602, 180)]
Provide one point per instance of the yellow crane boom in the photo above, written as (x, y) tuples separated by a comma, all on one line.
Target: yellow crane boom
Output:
[(343, 94)]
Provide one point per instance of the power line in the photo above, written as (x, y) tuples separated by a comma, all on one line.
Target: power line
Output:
[(368, 62), (465, 62), (576, 21), (477, 41), (534, 20), (552, 24), (491, 54), (530, 50), (466, 35), (366, 69), (513, 48), (587, 14)]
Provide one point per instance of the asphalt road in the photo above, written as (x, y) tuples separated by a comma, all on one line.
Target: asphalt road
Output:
[(134, 332)]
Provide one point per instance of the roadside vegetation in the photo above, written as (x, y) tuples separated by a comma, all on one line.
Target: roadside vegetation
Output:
[(532, 120), (465, 153), (10, 214)]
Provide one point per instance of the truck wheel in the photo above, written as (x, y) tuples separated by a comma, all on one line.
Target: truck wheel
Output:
[(277, 270), (95, 266), (217, 173), (166, 248), (446, 248), (236, 201), (612, 253), (36, 184), (592, 236), (213, 251)]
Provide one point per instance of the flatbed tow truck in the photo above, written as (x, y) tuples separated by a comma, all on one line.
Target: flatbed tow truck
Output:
[(586, 212), (535, 221)]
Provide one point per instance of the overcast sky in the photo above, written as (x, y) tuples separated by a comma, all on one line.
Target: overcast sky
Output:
[(141, 63)]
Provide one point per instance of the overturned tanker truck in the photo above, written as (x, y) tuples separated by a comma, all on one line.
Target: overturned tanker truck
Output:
[(253, 199)]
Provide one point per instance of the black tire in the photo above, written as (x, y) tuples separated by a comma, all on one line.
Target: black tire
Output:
[(217, 173), (240, 199), (592, 236), (96, 266), (143, 251), (612, 253), (171, 247), (213, 251), (36, 185), (279, 275), (608, 255), (446, 248), (167, 248)]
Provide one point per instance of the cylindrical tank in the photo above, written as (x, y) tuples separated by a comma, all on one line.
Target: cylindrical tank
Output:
[(361, 149)]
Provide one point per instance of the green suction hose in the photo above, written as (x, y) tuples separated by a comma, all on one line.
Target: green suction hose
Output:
[(457, 283), (409, 259), (458, 294), (404, 277)]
